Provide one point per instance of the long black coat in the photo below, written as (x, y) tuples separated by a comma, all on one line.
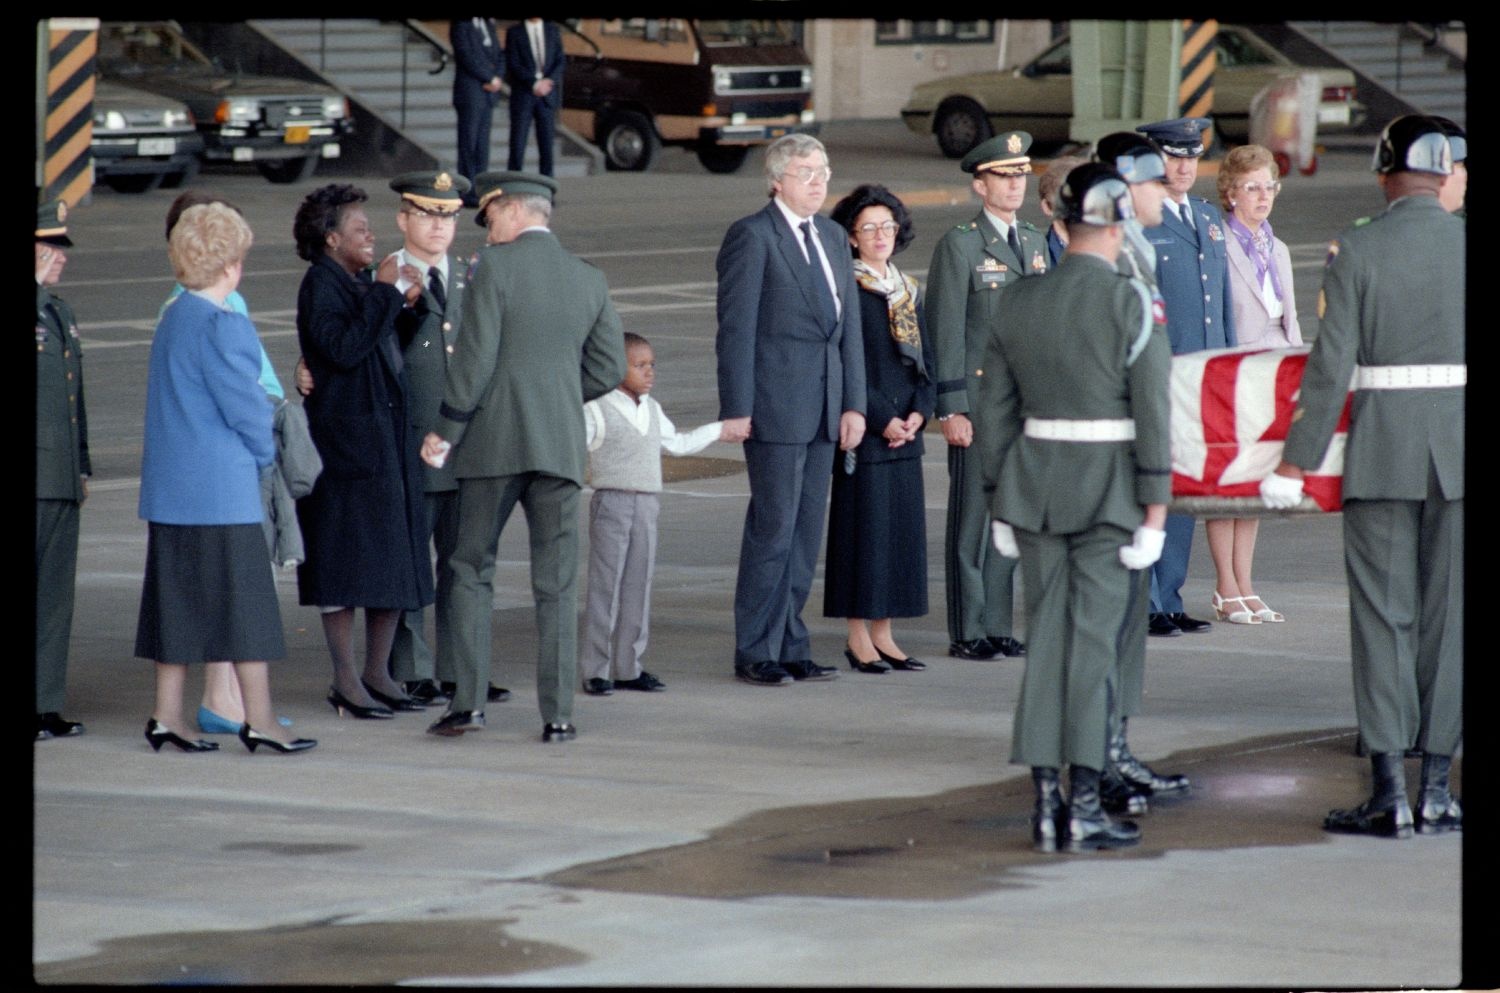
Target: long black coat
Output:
[(364, 522), (892, 386)]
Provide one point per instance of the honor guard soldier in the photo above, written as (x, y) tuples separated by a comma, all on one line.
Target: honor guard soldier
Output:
[(62, 471), (1456, 186), (973, 266), (537, 339), (1072, 435), (1192, 271), (1392, 321)]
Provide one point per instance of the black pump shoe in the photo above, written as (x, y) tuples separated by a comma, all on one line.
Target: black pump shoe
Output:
[(254, 739), (398, 704), (908, 664), (159, 734), (859, 665), (340, 703)]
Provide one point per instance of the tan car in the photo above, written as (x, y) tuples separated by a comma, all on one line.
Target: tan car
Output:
[(962, 111)]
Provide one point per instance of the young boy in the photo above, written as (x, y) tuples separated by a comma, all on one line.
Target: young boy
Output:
[(626, 432)]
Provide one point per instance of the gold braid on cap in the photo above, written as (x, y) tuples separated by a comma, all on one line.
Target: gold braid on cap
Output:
[(1005, 167), (491, 195), (433, 205)]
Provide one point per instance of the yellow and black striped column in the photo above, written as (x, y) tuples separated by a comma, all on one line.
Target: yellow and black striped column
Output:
[(1195, 94), (67, 166)]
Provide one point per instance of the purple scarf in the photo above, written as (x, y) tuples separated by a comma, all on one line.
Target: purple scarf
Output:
[(1258, 247)]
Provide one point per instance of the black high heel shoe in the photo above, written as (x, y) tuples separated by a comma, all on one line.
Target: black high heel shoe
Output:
[(909, 664), (399, 704), (873, 668), (254, 739), (340, 703), (160, 734)]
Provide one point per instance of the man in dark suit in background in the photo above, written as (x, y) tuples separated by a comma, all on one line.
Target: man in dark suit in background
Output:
[(791, 385), (533, 69), (478, 67)]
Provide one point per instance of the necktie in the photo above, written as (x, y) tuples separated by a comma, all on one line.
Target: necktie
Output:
[(1185, 211), (435, 285), (814, 262), (484, 31), (1014, 241)]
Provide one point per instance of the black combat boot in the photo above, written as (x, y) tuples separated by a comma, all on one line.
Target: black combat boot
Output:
[(1117, 796), (1141, 777), (1089, 827), (1049, 809), (1386, 813), (1437, 808)]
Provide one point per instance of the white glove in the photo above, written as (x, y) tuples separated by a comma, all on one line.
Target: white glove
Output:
[(1004, 537), (1280, 492), (1144, 548)]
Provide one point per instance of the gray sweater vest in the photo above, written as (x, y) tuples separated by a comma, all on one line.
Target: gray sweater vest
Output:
[(627, 459)]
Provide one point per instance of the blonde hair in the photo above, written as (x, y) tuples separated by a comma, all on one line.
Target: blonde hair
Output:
[(207, 239), (1241, 160)]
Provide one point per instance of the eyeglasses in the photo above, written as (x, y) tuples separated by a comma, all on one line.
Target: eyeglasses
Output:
[(808, 174), (1270, 189), (885, 227)]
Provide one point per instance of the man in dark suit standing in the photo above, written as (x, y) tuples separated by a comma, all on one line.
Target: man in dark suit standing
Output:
[(791, 385), (533, 70), (479, 65)]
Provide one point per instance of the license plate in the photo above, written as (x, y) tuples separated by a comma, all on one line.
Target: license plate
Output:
[(157, 146), (298, 134), (1335, 114)]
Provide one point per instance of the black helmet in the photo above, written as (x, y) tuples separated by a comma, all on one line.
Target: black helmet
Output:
[(1135, 157), (1458, 139), (1094, 193), (1414, 143)]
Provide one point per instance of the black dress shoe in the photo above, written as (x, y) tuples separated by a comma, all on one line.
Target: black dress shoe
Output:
[(1006, 646), (1161, 626), (1189, 625), (598, 687), (558, 732), (979, 649), (806, 670), (645, 682), (909, 664), (425, 691), (495, 694), (762, 674), (456, 722), (1386, 813), (858, 665), (398, 704), (51, 725)]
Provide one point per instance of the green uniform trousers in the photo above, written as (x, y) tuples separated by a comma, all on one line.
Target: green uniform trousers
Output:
[(551, 507), (1405, 563), (980, 581), (411, 658), (1130, 671), (1076, 595), (56, 566)]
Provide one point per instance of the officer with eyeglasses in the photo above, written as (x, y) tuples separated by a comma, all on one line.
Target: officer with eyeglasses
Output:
[(1392, 322)]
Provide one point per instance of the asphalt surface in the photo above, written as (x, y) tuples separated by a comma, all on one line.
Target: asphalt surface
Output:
[(866, 831)]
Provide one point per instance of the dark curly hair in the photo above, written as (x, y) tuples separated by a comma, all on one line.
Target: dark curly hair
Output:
[(847, 211), (193, 198), (320, 214)]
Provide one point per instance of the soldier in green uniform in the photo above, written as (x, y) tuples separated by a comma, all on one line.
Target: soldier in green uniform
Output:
[(971, 267), (1072, 436), (1392, 322), (1456, 186), (537, 339), (62, 471)]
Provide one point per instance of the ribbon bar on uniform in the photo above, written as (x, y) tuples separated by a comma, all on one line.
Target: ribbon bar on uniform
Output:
[(1115, 429)]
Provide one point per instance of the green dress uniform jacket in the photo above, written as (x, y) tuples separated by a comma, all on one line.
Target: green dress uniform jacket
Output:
[(1081, 344), (62, 462), (970, 267), (1393, 295)]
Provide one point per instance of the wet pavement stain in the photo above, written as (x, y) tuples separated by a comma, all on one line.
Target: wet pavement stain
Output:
[(323, 953), (1265, 791)]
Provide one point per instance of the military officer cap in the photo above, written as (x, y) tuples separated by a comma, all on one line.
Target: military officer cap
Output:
[(1094, 193), (1133, 156), (489, 185), (52, 223), (1181, 137), (1004, 155), (439, 192), (1458, 139), (1414, 143)]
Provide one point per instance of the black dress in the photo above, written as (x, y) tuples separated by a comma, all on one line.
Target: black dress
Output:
[(877, 522)]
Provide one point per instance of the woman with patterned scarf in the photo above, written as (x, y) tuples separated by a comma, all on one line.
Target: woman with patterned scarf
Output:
[(877, 534)]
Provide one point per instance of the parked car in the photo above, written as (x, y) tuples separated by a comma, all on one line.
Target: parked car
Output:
[(716, 87), (962, 111), (141, 141), (284, 126)]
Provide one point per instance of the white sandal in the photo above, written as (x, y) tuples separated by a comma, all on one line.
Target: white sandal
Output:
[(1224, 612), (1265, 613)]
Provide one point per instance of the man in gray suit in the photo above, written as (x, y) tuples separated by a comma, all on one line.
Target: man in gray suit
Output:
[(1392, 321), (538, 338), (791, 386)]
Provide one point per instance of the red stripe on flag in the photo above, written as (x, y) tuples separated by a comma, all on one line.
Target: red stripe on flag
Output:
[(1217, 404)]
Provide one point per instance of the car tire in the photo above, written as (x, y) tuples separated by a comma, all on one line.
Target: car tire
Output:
[(629, 142), (184, 178), (289, 170), (960, 125), (137, 182), (723, 159)]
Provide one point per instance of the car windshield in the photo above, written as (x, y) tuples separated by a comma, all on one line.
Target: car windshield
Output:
[(1055, 61), (132, 49), (745, 32), (1237, 50)]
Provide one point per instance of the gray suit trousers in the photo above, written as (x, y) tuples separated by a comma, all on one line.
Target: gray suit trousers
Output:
[(411, 658), (617, 608)]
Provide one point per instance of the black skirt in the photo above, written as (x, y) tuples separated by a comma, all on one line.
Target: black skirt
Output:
[(209, 596), (877, 542)]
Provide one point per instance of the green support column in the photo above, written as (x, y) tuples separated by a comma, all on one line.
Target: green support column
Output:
[(1125, 73)]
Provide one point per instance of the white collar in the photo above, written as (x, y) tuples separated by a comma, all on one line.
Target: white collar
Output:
[(789, 214)]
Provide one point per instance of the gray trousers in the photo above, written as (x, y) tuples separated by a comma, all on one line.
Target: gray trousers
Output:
[(411, 658), (1129, 677), (980, 581), (617, 608), (56, 566), (551, 507), (1405, 563)]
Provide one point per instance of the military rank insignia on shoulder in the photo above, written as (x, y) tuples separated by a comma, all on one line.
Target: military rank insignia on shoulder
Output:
[(965, 226)]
